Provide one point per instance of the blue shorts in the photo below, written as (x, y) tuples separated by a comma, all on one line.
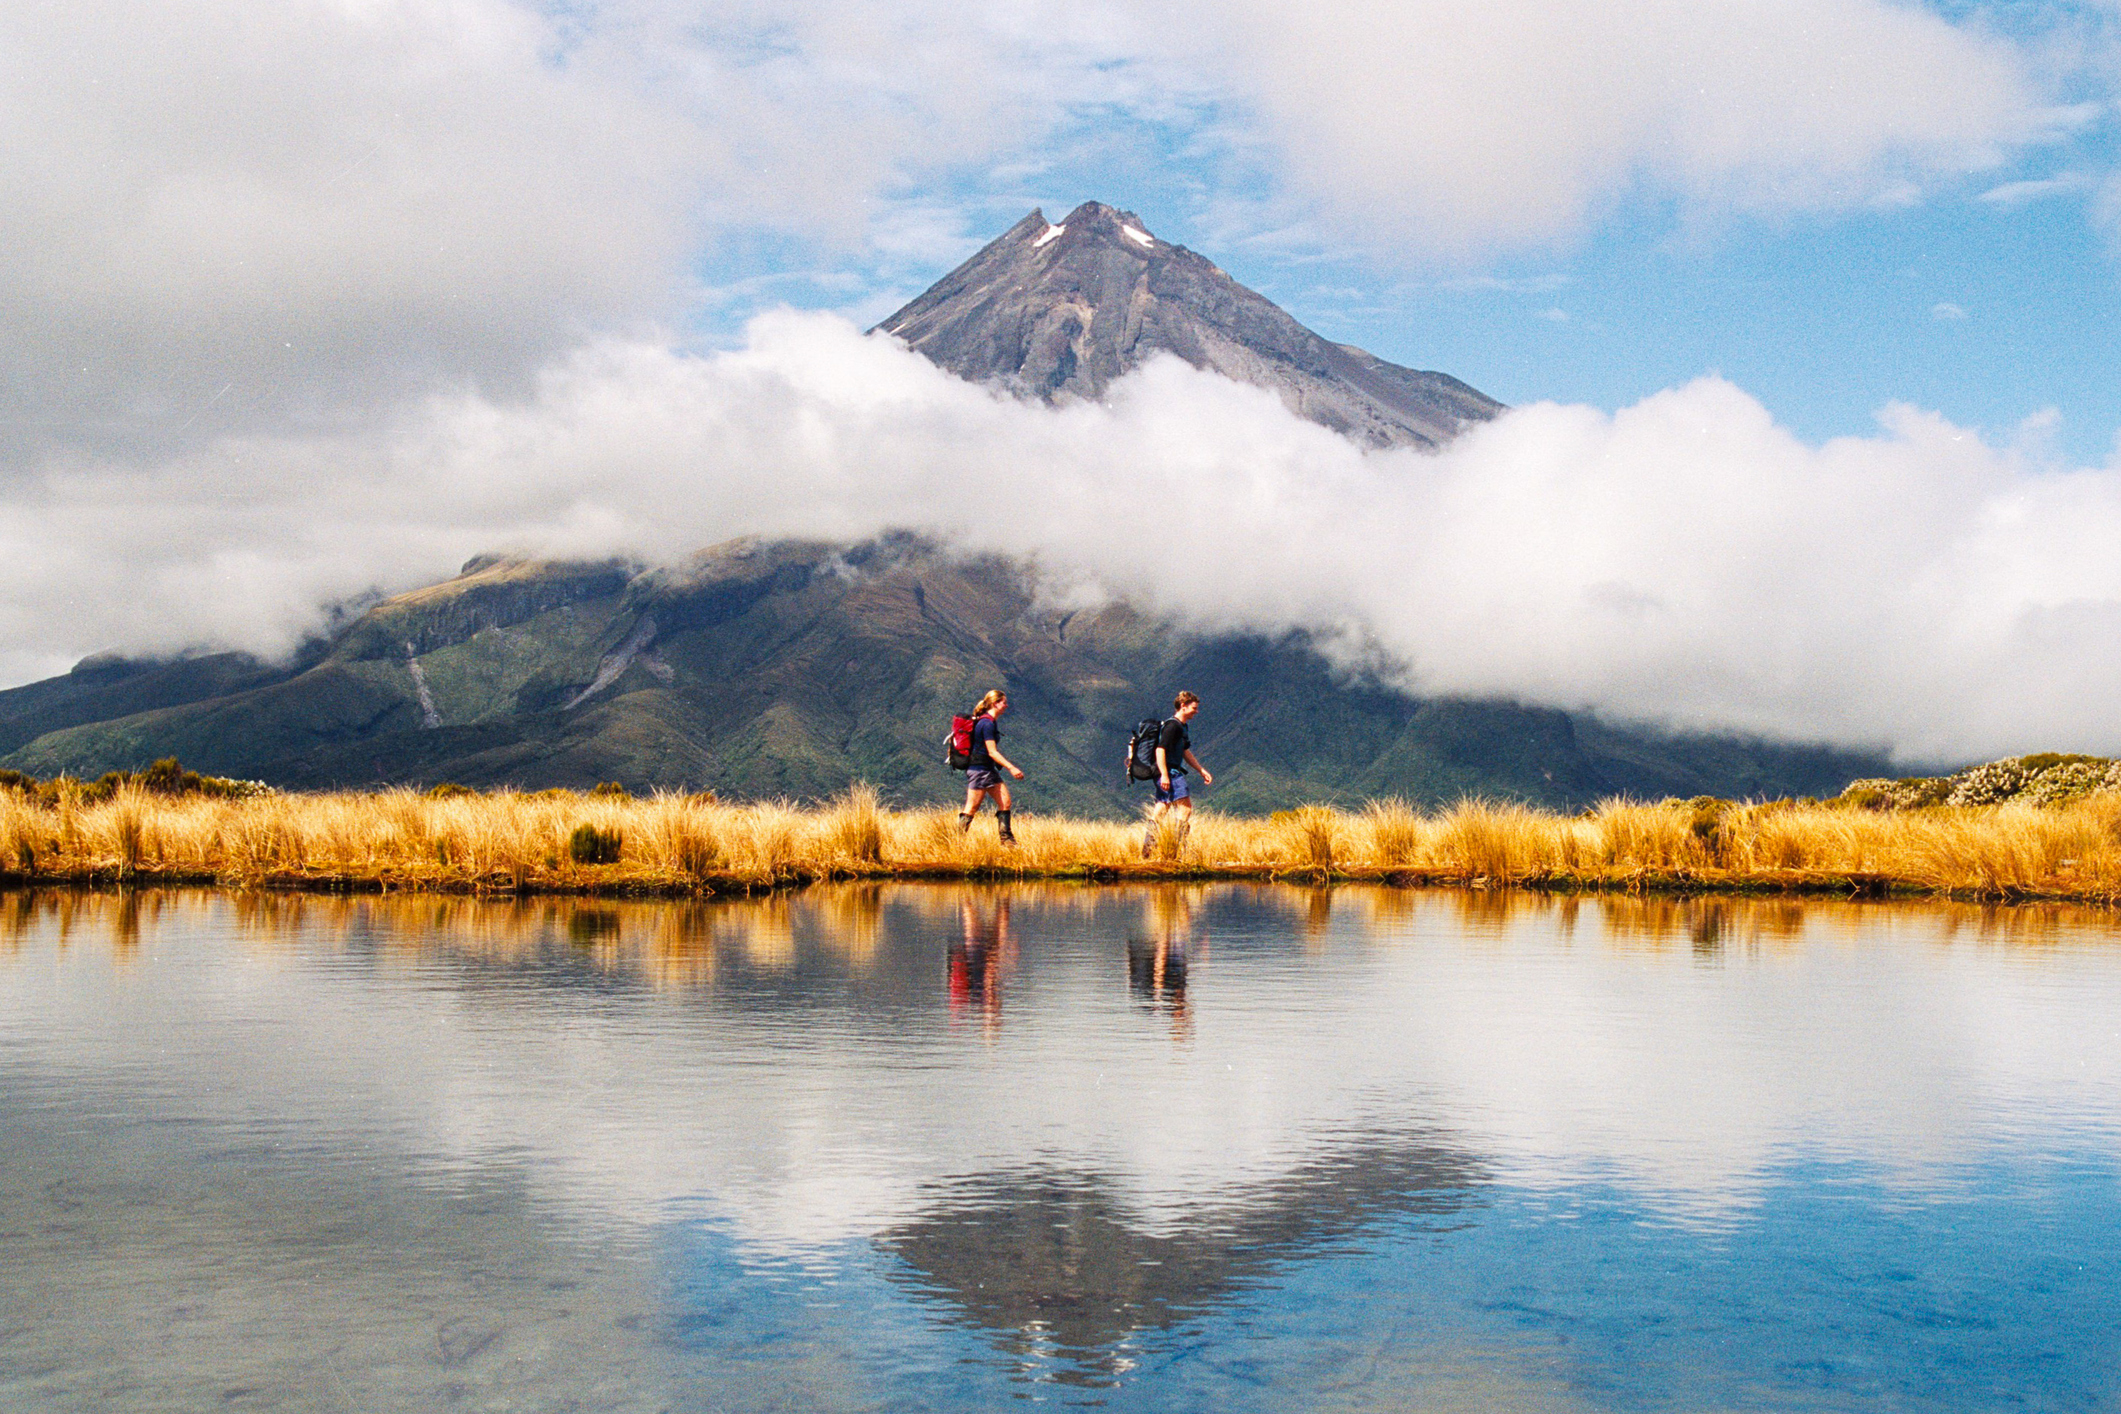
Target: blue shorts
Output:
[(1177, 792), (982, 777)]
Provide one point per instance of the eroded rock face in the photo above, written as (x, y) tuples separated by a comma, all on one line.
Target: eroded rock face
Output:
[(1055, 311)]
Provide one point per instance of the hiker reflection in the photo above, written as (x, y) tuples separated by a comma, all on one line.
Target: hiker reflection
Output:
[(977, 959), (1157, 963)]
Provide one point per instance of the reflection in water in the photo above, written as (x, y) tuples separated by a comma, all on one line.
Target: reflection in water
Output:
[(847, 922), (1157, 963), (979, 956), (1054, 1265), (548, 1153)]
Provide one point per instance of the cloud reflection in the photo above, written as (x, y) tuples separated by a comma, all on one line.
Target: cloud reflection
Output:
[(818, 1063)]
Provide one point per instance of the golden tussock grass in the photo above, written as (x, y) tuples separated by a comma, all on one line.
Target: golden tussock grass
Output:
[(564, 842)]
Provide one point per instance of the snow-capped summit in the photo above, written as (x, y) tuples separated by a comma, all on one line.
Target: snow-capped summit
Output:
[(1061, 309)]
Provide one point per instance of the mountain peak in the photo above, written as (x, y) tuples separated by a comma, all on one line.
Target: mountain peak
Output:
[(1095, 221), (1058, 310)]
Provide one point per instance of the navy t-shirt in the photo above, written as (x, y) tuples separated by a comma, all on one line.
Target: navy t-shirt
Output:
[(1176, 742), (984, 730)]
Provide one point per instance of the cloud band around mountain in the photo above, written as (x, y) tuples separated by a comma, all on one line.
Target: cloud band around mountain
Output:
[(1685, 559)]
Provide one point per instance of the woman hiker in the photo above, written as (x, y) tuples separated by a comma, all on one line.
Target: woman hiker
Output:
[(983, 777)]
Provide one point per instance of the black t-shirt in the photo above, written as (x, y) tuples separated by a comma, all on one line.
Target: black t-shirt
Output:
[(1176, 742), (984, 730)]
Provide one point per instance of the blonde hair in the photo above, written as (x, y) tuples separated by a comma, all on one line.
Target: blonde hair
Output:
[(997, 695)]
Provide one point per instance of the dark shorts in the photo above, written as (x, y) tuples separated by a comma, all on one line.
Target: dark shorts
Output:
[(1178, 790), (982, 778)]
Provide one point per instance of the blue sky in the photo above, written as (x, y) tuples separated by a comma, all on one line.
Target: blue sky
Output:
[(1990, 296)]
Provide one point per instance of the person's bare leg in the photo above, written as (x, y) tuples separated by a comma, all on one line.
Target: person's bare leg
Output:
[(973, 797), (1185, 819)]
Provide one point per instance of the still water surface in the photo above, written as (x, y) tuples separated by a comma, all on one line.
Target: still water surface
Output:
[(937, 1147)]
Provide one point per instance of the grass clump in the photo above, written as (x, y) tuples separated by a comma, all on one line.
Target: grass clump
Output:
[(852, 826)]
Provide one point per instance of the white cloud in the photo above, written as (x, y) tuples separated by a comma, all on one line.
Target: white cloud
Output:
[(1685, 558), (2106, 207), (222, 215), (274, 205), (2011, 195), (1516, 121), (1946, 311)]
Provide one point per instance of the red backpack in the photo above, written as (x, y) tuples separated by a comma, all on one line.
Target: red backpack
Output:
[(957, 747)]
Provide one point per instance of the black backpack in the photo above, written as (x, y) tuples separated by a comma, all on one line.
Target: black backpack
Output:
[(1141, 749)]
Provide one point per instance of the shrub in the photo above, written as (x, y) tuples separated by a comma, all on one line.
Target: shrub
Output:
[(611, 790), (1992, 784), (1866, 795), (2065, 781), (168, 777), (447, 790), (590, 845)]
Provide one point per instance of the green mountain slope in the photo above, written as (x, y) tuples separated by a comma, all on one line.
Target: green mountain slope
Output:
[(789, 669)]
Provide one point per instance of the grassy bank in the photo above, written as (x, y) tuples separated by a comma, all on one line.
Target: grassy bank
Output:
[(563, 842)]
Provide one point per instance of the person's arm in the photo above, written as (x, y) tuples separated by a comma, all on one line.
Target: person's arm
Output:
[(1194, 761), (994, 754), (1163, 768)]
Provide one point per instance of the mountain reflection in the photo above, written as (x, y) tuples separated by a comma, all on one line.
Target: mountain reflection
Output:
[(1054, 1264)]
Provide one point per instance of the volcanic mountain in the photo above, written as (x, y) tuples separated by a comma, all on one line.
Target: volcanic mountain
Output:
[(1057, 311), (766, 669), (790, 669)]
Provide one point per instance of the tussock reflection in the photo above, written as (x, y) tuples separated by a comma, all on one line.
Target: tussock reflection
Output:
[(1705, 924), (666, 945), (849, 927), (1053, 1265)]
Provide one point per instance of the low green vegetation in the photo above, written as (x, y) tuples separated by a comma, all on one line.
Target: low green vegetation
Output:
[(166, 778), (2048, 778)]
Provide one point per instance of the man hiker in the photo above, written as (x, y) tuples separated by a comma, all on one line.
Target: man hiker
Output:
[(1174, 753), (983, 776)]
